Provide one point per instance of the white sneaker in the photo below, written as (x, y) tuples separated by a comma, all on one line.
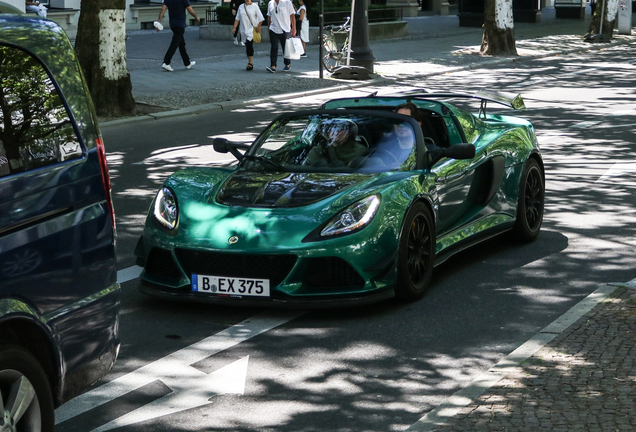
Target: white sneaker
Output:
[(192, 63), (167, 67), (242, 43), (235, 41)]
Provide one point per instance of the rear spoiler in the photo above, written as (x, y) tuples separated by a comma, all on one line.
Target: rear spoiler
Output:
[(511, 100)]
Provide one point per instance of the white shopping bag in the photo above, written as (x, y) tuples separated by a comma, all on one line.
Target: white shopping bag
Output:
[(298, 45), (290, 51)]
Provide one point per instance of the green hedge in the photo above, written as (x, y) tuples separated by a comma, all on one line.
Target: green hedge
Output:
[(224, 15), (336, 12)]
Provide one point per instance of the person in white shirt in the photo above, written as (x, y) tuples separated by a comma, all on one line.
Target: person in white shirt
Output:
[(250, 18), (36, 7), (303, 17), (282, 25)]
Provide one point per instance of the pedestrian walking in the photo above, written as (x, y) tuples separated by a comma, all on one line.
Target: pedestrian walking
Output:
[(302, 25), (177, 19), (282, 25), (249, 19), (236, 35)]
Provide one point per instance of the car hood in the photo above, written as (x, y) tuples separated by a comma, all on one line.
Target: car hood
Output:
[(274, 190)]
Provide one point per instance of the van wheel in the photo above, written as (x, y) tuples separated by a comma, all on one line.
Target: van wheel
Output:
[(531, 202), (417, 253), (27, 400)]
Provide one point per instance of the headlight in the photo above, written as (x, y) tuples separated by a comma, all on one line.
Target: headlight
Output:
[(354, 217), (166, 208)]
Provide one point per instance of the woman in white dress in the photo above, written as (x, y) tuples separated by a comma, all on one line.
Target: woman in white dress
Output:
[(303, 17), (250, 18)]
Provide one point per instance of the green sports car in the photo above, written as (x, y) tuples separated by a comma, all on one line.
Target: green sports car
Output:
[(350, 203)]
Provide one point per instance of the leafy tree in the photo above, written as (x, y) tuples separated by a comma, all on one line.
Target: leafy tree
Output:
[(608, 8), (101, 50), (499, 34)]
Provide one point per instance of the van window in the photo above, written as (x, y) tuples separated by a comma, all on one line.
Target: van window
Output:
[(35, 128)]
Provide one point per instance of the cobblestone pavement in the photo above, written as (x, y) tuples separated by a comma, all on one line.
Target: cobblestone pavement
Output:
[(583, 380)]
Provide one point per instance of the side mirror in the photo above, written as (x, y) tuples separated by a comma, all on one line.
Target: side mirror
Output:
[(460, 151), (220, 145), (457, 151)]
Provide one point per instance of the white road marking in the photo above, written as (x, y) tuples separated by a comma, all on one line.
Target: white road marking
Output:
[(616, 126), (618, 169), (191, 392), (174, 369), (585, 124), (128, 274)]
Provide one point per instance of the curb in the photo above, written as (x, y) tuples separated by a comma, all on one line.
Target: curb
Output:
[(469, 394), (219, 106)]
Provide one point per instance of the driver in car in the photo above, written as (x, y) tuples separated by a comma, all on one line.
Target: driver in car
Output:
[(339, 146)]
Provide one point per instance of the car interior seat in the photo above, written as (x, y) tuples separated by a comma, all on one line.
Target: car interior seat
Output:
[(433, 127)]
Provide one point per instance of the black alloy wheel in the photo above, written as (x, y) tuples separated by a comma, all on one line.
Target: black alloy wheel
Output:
[(531, 203), (26, 400), (417, 253)]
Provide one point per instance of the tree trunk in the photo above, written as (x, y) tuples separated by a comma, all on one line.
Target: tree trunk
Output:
[(101, 49), (610, 10), (499, 33)]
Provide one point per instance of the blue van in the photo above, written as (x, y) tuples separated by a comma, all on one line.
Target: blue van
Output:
[(59, 295)]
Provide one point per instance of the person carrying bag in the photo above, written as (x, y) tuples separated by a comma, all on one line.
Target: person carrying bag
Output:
[(282, 24), (247, 13)]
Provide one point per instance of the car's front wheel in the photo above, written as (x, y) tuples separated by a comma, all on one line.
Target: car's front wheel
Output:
[(26, 402), (417, 253), (531, 202)]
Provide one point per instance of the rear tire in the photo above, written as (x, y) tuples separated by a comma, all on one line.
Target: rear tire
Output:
[(416, 256), (24, 382), (531, 203)]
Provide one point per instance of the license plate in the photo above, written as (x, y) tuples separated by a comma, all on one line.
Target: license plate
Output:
[(237, 287)]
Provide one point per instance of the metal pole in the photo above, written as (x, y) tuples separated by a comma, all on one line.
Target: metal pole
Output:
[(353, 5), (600, 30), (361, 54), (320, 30)]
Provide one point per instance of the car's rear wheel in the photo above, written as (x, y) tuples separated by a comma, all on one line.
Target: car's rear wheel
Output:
[(26, 402), (417, 253), (531, 202)]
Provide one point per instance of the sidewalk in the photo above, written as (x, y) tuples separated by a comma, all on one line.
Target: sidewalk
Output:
[(577, 374), (584, 380), (436, 45)]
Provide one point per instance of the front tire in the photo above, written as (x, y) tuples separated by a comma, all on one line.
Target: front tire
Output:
[(416, 256), (27, 400), (531, 203)]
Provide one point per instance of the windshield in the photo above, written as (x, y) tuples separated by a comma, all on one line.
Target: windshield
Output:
[(331, 143)]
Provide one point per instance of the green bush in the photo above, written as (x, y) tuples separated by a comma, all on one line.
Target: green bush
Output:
[(224, 15)]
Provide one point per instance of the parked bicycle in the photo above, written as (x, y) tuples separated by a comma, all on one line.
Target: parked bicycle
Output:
[(332, 55)]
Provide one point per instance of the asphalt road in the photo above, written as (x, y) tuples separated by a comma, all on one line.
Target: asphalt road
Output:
[(378, 368)]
